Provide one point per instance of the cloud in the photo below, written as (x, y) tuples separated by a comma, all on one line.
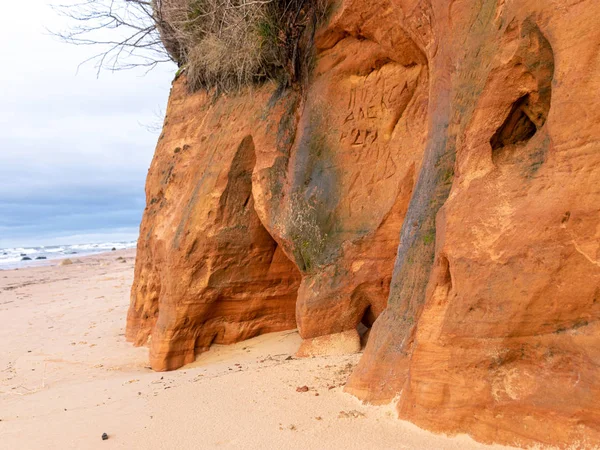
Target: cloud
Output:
[(73, 151)]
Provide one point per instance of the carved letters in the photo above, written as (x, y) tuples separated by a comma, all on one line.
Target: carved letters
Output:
[(370, 105)]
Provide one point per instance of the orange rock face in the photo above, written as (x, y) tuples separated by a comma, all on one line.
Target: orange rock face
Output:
[(270, 210), (439, 176), (207, 269), (492, 322), (345, 186)]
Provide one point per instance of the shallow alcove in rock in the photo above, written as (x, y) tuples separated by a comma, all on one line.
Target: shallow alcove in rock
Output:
[(208, 271), (517, 127), (533, 64)]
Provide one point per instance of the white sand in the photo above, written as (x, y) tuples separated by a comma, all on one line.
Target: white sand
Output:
[(67, 376)]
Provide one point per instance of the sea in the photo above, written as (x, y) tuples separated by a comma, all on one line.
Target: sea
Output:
[(11, 258)]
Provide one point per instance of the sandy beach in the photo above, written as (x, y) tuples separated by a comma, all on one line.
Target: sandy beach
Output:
[(67, 376)]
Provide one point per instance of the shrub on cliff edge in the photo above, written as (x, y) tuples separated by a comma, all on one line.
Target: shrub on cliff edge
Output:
[(220, 44), (226, 44)]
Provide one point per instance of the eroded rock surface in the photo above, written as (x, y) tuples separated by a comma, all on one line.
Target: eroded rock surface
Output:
[(338, 199), (492, 322), (438, 175), (333, 170), (207, 270)]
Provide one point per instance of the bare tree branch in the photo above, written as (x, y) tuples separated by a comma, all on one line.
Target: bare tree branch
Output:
[(126, 31), (223, 44)]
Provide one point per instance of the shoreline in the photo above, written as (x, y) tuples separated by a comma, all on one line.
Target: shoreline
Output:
[(67, 375), (48, 261)]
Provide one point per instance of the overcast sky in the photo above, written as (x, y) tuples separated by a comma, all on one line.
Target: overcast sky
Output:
[(74, 149)]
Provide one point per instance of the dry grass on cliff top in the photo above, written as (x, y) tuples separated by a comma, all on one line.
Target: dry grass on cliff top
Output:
[(228, 44)]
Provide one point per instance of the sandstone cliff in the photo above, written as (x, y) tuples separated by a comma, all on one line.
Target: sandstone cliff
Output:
[(438, 175)]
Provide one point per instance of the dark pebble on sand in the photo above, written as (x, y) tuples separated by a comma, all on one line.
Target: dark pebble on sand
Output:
[(26, 258), (104, 436), (41, 257)]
